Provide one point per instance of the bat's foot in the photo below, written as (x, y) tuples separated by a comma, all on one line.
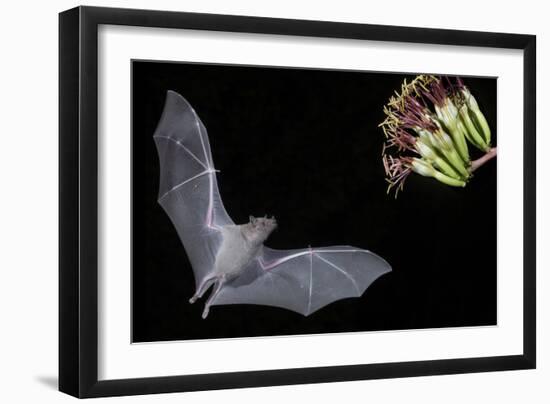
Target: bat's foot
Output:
[(218, 282), (203, 287)]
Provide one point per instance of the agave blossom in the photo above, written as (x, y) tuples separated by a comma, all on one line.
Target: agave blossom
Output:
[(429, 126)]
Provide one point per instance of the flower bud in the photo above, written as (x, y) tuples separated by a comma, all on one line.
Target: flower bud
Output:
[(428, 127)]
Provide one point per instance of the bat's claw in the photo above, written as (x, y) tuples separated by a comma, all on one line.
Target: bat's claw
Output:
[(193, 299), (205, 312)]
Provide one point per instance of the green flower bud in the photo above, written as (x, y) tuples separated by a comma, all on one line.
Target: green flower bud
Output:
[(429, 154), (477, 118), (425, 169)]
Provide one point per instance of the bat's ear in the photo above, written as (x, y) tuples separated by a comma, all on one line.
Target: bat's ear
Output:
[(251, 218)]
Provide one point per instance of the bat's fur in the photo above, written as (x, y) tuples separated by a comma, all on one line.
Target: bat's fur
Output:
[(241, 244)]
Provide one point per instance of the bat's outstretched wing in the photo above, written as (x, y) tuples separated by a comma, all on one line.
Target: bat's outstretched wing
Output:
[(188, 190), (304, 280)]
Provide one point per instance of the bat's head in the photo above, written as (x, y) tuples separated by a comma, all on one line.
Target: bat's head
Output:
[(258, 229)]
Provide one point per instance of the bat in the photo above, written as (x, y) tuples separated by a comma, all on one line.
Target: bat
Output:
[(232, 259)]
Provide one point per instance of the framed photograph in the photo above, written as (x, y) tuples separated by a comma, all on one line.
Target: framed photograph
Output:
[(251, 201)]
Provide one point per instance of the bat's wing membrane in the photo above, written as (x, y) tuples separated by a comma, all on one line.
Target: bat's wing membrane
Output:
[(304, 280), (188, 190)]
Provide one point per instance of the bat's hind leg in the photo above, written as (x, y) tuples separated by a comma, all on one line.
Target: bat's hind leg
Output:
[(203, 287), (217, 288)]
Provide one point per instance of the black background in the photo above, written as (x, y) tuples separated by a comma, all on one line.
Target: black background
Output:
[(304, 145)]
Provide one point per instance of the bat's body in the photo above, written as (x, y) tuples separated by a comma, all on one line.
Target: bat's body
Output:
[(232, 258), (235, 252), (241, 244)]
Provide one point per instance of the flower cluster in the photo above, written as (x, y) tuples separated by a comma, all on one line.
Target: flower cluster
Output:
[(428, 127)]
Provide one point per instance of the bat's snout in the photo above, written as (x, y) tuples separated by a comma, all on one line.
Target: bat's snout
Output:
[(271, 221), (263, 225)]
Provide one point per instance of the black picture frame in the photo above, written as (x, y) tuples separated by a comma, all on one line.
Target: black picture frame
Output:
[(78, 203)]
